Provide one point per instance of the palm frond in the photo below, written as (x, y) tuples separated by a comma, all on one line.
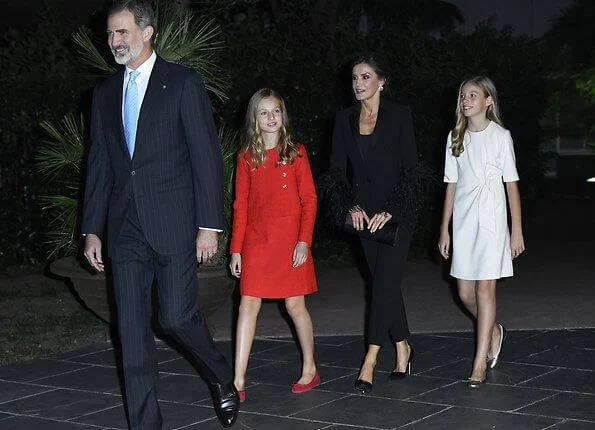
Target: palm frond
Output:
[(194, 43), (62, 212), (89, 53), (228, 141), (59, 159), (63, 151), (181, 38)]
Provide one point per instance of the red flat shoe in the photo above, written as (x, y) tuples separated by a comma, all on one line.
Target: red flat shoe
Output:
[(242, 395), (302, 388)]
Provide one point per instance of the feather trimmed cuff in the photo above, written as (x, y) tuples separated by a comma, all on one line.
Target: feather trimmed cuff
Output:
[(335, 196), (406, 200)]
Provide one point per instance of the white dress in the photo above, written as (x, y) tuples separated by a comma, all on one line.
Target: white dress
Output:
[(481, 241)]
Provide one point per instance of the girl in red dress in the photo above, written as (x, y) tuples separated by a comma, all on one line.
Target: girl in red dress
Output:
[(273, 221)]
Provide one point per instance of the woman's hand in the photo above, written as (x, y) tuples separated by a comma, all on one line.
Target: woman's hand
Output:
[(378, 221), (444, 244), (359, 217), (300, 254), (517, 243), (235, 264)]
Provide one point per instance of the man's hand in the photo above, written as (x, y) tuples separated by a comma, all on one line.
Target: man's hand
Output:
[(206, 245), (93, 252)]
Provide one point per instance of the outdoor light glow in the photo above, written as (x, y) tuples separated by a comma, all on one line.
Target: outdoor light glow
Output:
[(591, 179)]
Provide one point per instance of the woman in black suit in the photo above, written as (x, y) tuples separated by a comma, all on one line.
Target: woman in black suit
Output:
[(374, 157)]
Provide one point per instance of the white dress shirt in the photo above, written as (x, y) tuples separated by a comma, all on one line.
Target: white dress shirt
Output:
[(142, 80)]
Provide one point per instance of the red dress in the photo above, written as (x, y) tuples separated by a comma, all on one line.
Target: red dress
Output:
[(274, 209)]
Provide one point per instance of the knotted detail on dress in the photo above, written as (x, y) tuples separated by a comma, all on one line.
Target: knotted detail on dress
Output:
[(407, 198), (487, 197), (335, 197)]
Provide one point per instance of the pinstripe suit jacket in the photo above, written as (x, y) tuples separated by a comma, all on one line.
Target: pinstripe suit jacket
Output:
[(175, 175)]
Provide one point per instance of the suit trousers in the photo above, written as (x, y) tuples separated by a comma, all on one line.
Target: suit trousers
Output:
[(387, 310), (135, 265)]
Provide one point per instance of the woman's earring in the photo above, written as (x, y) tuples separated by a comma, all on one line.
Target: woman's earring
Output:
[(380, 88)]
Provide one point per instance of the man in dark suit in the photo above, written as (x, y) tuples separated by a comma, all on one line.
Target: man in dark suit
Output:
[(155, 171)]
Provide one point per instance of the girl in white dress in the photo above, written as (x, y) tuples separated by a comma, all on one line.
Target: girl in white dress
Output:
[(479, 160)]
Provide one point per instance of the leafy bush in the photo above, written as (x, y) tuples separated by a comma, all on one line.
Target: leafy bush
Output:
[(306, 55), (38, 81), (302, 48), (60, 159), (180, 38)]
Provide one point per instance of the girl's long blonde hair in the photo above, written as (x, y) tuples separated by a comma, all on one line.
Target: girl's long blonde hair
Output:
[(253, 142), (492, 113)]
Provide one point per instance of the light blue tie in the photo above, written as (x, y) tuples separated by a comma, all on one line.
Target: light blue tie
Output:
[(131, 111)]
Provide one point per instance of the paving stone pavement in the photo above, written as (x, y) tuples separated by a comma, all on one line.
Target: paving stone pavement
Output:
[(546, 380)]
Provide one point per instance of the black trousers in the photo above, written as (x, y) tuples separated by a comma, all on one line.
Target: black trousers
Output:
[(135, 266), (387, 263)]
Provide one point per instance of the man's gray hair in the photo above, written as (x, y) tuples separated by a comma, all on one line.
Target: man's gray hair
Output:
[(144, 14)]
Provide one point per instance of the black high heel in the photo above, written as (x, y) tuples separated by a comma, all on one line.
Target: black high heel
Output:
[(401, 375), (363, 386)]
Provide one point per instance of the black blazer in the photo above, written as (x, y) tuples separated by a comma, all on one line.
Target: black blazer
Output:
[(175, 176), (376, 180)]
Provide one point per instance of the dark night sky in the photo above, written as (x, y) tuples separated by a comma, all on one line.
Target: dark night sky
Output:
[(528, 17)]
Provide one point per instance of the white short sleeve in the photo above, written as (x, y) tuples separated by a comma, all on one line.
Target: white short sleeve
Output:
[(509, 172), (451, 173)]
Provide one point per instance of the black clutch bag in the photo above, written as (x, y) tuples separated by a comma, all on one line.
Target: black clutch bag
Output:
[(387, 234)]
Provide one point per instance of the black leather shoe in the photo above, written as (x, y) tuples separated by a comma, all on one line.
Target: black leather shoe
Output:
[(226, 402)]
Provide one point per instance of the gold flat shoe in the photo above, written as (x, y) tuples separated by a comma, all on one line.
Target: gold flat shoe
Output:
[(493, 361), (475, 383)]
